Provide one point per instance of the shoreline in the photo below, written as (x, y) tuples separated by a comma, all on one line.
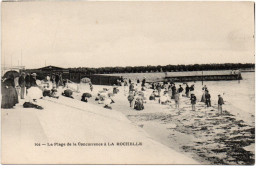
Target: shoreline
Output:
[(202, 135)]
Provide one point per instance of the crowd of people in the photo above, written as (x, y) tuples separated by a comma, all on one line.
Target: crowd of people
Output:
[(30, 88), (166, 92)]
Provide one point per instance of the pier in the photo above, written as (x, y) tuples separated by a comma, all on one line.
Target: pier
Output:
[(204, 76), (187, 76)]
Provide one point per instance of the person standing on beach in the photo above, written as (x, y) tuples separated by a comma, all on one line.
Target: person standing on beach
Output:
[(57, 79), (187, 90), (173, 90), (91, 86), (204, 89), (193, 100), (207, 98), (131, 98), (22, 84), (27, 82), (8, 93), (131, 87), (220, 103), (53, 78), (143, 82), (125, 82), (125, 85), (61, 79), (33, 80), (153, 86), (177, 100), (192, 89), (159, 89), (180, 90)]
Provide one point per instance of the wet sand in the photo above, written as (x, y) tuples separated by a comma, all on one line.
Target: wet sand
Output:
[(204, 135)]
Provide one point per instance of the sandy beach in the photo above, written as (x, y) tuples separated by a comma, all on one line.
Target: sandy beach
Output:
[(101, 136), (189, 137), (204, 135)]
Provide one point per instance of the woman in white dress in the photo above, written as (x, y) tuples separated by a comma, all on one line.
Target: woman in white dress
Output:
[(35, 91)]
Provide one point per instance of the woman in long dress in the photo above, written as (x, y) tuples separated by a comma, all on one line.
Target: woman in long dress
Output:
[(9, 93), (203, 98)]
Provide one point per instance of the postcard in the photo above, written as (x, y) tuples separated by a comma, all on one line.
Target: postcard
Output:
[(128, 82)]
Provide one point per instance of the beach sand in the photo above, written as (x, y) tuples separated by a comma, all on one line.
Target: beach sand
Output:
[(169, 136), (67, 120), (204, 135)]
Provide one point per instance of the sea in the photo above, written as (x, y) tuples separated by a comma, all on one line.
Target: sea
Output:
[(239, 95)]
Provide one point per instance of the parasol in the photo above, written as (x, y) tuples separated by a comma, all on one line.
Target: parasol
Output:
[(11, 72)]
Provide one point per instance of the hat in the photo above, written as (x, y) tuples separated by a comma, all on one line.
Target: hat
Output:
[(34, 74), (22, 73)]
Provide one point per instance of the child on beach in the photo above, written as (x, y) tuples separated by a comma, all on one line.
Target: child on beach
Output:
[(107, 102), (193, 100)]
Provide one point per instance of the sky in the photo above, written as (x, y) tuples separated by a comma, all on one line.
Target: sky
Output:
[(99, 34)]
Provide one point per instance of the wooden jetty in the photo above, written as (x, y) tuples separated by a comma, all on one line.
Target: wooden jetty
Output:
[(110, 79), (203, 76)]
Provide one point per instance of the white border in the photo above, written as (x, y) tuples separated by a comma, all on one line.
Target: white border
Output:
[(257, 164)]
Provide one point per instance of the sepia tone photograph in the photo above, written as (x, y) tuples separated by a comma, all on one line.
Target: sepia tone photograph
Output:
[(133, 82)]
